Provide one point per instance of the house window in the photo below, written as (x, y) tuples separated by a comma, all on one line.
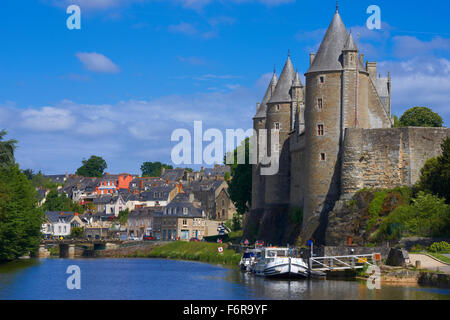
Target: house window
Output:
[(277, 126), (184, 222), (319, 103), (322, 157), (185, 210), (320, 130)]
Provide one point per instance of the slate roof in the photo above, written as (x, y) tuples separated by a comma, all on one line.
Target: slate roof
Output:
[(180, 202), (261, 113), (55, 216), (282, 91), (173, 174), (381, 84), (159, 193)]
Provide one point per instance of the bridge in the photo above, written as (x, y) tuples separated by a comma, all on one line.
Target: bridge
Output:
[(335, 263), (68, 247)]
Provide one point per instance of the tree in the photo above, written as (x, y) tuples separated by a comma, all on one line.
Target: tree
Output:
[(240, 185), (60, 202), (28, 173), (6, 151), (435, 175), (153, 169), (77, 232), (93, 167), (20, 218), (123, 216), (420, 117)]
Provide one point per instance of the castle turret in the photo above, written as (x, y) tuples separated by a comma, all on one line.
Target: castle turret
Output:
[(323, 120), (279, 110)]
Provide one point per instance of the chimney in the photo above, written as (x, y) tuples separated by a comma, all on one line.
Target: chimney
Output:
[(372, 69), (257, 106), (76, 214), (312, 56), (141, 184), (61, 213), (191, 197)]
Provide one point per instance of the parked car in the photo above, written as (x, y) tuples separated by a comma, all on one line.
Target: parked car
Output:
[(194, 240), (133, 238), (148, 238)]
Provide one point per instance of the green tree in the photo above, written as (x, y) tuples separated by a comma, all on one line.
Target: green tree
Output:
[(153, 169), (420, 117), (240, 185), (435, 175), (6, 150), (20, 218), (123, 216), (77, 232), (93, 167), (60, 202)]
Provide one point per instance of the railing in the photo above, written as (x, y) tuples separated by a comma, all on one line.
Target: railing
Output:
[(343, 262)]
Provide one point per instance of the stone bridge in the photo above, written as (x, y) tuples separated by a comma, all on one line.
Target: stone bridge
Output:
[(69, 248)]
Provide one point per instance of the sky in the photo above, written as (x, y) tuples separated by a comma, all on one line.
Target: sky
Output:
[(139, 69)]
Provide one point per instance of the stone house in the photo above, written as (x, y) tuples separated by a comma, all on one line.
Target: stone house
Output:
[(60, 224), (153, 197), (141, 222)]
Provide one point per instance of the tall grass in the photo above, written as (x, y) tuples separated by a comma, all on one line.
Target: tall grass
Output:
[(196, 251)]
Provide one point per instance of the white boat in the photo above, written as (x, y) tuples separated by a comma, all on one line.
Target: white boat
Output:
[(249, 259), (281, 263)]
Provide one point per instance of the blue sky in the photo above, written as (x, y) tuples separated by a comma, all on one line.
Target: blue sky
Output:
[(139, 69)]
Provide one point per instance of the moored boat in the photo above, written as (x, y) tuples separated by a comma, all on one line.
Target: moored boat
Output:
[(249, 258), (281, 263)]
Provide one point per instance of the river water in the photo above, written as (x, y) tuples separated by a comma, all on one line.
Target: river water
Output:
[(156, 279)]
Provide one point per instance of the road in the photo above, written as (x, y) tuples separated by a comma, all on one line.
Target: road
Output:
[(429, 263)]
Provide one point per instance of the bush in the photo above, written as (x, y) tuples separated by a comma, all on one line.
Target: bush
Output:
[(440, 247)]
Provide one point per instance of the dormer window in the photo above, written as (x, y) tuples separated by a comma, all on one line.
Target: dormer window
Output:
[(185, 211)]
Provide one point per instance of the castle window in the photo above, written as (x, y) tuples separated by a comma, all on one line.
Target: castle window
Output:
[(319, 103), (260, 121), (278, 107), (320, 130), (322, 79), (322, 157), (277, 126)]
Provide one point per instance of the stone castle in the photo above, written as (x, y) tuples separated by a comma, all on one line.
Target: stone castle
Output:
[(335, 137)]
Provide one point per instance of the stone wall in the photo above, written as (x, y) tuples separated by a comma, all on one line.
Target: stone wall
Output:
[(385, 158)]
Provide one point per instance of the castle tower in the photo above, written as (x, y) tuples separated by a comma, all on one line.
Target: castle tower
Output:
[(298, 105), (279, 117), (324, 127), (259, 122)]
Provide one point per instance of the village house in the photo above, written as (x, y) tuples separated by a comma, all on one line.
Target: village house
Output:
[(110, 184), (141, 223), (60, 224), (110, 204), (153, 197), (182, 219)]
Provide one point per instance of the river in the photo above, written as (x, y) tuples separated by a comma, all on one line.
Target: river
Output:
[(157, 279)]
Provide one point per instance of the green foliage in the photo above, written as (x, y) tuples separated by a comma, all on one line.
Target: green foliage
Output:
[(375, 207), (197, 251), (421, 117), (6, 151), (397, 123), (240, 185), (427, 216), (123, 216), (440, 247), (20, 219), (153, 169), (77, 232), (60, 202), (435, 175), (39, 181), (93, 167), (236, 222), (296, 215)]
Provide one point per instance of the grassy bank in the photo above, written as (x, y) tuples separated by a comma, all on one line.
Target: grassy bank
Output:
[(196, 251)]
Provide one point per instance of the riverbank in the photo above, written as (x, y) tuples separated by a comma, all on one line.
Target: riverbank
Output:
[(179, 250)]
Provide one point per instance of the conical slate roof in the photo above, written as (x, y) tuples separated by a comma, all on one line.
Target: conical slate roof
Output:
[(261, 113), (297, 82), (328, 58), (282, 91), (350, 44)]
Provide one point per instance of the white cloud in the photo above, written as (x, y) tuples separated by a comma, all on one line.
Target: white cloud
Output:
[(408, 46), (97, 62), (183, 27), (47, 119)]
